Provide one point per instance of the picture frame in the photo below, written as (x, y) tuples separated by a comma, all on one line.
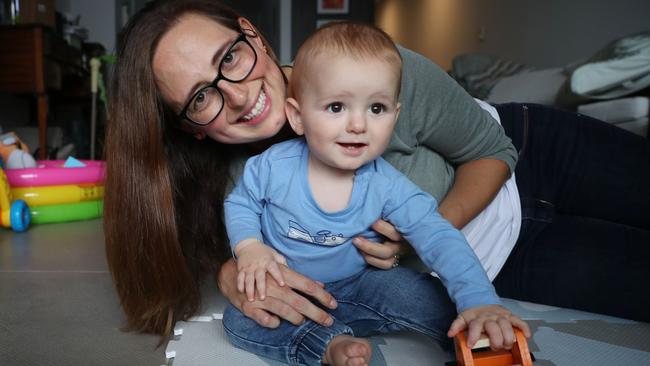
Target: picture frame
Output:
[(333, 6)]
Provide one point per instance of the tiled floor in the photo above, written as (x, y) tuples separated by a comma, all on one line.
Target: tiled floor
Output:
[(57, 304), (58, 308)]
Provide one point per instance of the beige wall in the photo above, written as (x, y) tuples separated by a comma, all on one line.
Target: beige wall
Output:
[(538, 33), (438, 29)]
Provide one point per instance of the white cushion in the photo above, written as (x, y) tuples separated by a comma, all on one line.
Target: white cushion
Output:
[(639, 126), (620, 68), (617, 110), (540, 86)]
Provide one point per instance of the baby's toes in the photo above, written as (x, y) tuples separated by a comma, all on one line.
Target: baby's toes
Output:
[(358, 352)]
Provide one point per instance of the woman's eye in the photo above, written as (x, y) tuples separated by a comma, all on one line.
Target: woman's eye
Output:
[(335, 107), (377, 108), (228, 57), (199, 102)]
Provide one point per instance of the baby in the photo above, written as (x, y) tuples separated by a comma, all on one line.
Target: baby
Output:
[(301, 202)]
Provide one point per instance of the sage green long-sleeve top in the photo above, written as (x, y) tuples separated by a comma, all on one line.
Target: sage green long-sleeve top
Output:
[(440, 126)]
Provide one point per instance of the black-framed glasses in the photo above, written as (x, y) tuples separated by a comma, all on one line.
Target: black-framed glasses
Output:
[(235, 66)]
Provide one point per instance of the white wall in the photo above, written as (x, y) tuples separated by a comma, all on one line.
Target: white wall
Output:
[(556, 32)]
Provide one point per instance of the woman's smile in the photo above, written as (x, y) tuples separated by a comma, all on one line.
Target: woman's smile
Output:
[(259, 110)]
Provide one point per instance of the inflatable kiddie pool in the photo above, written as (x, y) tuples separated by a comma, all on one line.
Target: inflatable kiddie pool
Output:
[(59, 190), (52, 173)]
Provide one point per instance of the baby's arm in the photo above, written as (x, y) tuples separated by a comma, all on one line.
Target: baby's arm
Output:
[(444, 249), (254, 260), (469, 287), (243, 210)]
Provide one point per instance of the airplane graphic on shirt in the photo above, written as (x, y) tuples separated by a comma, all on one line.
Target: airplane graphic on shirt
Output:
[(322, 237)]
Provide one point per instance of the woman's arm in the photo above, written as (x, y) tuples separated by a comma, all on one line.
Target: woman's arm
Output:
[(281, 301), (440, 120), (477, 183)]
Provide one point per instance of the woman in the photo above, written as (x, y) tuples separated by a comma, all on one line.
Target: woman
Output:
[(583, 241)]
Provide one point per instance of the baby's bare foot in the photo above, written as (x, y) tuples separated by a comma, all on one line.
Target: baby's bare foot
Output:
[(345, 350)]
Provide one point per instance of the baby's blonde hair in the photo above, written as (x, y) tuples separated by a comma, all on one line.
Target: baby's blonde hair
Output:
[(353, 39)]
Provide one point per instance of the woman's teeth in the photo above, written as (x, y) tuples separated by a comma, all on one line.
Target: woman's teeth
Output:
[(259, 106)]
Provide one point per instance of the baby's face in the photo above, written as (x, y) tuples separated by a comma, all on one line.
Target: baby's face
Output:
[(348, 109)]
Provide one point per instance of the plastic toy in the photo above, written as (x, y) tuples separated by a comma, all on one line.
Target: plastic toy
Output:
[(67, 212), (52, 173), (481, 355), (14, 153), (16, 214), (54, 195)]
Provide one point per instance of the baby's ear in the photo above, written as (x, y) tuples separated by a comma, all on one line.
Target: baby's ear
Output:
[(292, 110)]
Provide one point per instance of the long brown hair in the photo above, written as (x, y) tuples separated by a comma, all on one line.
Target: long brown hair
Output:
[(163, 216)]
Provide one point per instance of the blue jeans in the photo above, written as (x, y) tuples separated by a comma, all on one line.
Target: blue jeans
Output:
[(585, 197), (372, 301)]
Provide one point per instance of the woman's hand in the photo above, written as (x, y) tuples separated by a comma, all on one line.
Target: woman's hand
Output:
[(386, 255), (281, 301), (493, 320)]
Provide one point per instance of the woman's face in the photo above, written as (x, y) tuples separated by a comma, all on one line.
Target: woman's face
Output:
[(187, 59)]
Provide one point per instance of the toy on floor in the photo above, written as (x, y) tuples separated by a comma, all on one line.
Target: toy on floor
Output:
[(14, 153), (61, 191), (481, 355), (14, 214)]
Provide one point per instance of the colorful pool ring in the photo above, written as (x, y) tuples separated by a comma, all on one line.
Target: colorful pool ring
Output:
[(52, 173), (17, 217), (54, 195), (67, 212)]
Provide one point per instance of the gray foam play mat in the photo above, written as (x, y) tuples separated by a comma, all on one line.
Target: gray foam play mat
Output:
[(560, 337)]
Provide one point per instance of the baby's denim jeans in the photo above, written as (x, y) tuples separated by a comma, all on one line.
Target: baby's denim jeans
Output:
[(372, 301)]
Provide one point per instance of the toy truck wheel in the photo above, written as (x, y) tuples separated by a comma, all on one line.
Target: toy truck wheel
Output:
[(19, 216)]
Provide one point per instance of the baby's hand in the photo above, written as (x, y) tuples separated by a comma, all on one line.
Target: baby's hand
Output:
[(493, 320), (254, 259)]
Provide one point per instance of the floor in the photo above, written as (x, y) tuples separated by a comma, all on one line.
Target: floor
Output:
[(561, 337), (58, 307), (57, 303)]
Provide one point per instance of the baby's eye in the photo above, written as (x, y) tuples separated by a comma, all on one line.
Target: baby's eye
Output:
[(335, 107), (377, 108)]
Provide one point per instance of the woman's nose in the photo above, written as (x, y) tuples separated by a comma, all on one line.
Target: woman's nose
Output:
[(356, 124), (235, 95)]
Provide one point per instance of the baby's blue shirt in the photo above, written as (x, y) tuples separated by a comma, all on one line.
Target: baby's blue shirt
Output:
[(273, 203)]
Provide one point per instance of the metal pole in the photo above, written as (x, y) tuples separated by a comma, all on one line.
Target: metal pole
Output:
[(94, 74)]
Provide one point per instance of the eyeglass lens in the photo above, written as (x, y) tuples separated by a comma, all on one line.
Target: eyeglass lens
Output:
[(235, 66)]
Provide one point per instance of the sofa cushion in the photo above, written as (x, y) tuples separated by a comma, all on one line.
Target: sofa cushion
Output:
[(539, 86), (617, 110), (620, 68)]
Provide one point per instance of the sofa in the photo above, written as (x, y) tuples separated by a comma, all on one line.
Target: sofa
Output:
[(612, 85)]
